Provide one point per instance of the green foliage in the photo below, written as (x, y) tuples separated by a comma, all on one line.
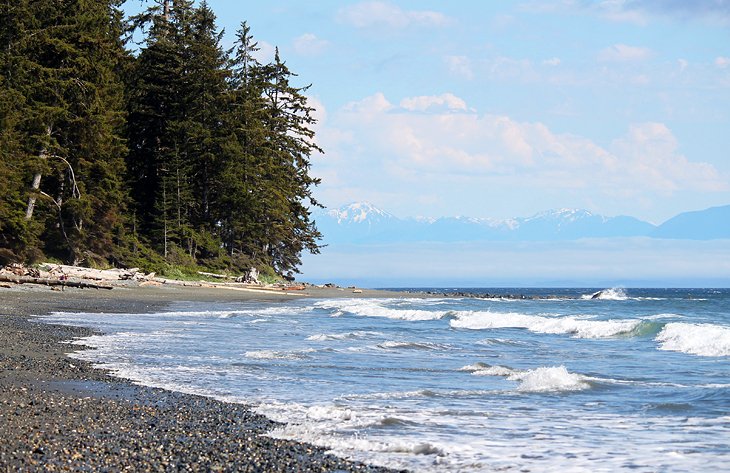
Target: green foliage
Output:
[(63, 118), (181, 157)]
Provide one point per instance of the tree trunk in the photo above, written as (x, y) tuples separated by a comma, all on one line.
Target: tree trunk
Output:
[(35, 187), (31, 200)]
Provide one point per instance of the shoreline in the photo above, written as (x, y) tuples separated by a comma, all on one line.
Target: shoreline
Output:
[(59, 413)]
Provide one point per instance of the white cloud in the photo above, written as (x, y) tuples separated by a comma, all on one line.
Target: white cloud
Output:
[(460, 66), (652, 151), (425, 102), (385, 14), (624, 53), (555, 61), (309, 44), (406, 145), (722, 62)]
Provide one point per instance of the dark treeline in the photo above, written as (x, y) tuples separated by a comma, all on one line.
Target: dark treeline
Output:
[(178, 153)]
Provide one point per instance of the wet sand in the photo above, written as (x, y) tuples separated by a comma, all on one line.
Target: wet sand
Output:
[(60, 414)]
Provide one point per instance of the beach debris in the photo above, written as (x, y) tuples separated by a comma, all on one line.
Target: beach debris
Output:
[(217, 276), (50, 281), (150, 283), (115, 274), (252, 277), (61, 275)]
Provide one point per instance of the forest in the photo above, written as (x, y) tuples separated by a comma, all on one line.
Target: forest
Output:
[(144, 142)]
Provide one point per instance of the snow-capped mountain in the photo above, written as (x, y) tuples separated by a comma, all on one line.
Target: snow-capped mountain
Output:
[(362, 213), (365, 223)]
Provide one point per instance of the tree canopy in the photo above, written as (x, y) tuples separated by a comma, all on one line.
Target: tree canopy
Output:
[(180, 152)]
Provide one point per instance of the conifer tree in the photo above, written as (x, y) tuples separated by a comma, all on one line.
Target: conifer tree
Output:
[(175, 107), (217, 150), (242, 206), (288, 121), (61, 60)]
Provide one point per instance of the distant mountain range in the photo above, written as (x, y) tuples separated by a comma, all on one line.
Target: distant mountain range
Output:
[(362, 222)]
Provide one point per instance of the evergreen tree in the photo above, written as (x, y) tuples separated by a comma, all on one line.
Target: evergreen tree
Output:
[(200, 129), (153, 104), (175, 107), (243, 187), (217, 150), (288, 122), (61, 61)]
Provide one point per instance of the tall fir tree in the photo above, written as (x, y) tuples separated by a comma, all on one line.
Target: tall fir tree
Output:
[(219, 146), (153, 103), (288, 121), (175, 107), (243, 187), (62, 60)]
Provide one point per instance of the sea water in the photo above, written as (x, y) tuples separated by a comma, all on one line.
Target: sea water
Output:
[(566, 380)]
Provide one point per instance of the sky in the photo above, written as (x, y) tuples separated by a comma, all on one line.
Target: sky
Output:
[(507, 108)]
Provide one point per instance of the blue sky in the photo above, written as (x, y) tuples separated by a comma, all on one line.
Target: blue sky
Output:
[(507, 108)]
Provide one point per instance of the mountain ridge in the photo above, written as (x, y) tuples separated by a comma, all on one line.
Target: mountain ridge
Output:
[(363, 222)]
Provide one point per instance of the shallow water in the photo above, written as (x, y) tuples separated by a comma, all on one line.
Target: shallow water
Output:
[(635, 379)]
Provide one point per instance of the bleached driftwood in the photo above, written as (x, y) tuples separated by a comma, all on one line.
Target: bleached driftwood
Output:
[(217, 276), (12, 278), (90, 273)]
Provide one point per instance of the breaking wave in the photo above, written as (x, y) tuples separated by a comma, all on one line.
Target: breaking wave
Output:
[(612, 294), (543, 379), (278, 355), (540, 324), (325, 337), (695, 339), (394, 345), (372, 308)]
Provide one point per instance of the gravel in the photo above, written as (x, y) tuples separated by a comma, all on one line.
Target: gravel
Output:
[(60, 414)]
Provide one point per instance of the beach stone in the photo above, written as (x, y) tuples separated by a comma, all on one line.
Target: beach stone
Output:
[(58, 414)]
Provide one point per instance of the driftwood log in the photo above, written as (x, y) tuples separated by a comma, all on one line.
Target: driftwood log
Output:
[(50, 282), (90, 273)]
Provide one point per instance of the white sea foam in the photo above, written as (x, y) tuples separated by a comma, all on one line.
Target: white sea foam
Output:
[(494, 371), (579, 328), (663, 316), (545, 379), (278, 355), (378, 308), (695, 339), (612, 294), (483, 369), (474, 367), (396, 345), (324, 337)]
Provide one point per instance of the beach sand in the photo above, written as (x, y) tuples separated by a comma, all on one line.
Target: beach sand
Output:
[(60, 414)]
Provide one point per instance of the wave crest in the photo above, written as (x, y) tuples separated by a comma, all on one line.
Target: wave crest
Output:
[(548, 379), (695, 339), (540, 324), (376, 308), (612, 294)]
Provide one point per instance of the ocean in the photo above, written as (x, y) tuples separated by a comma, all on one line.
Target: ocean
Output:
[(564, 380)]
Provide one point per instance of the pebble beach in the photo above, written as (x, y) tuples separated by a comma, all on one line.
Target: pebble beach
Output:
[(61, 414)]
